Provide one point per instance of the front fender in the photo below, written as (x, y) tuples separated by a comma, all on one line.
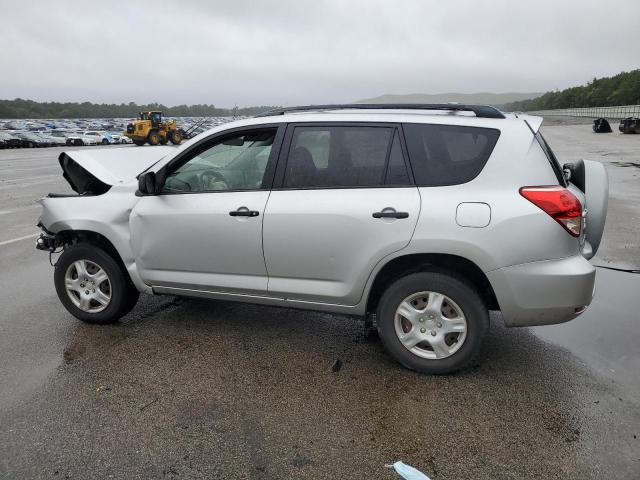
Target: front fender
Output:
[(107, 215)]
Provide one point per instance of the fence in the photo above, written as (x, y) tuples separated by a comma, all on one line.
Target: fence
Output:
[(616, 113)]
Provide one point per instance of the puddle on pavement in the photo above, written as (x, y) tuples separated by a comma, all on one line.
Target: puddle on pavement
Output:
[(627, 164), (607, 336)]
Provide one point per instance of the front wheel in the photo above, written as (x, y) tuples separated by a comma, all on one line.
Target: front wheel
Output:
[(139, 142), (432, 322), (153, 138), (92, 286)]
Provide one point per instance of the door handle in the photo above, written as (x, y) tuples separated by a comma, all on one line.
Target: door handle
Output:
[(390, 214), (244, 212)]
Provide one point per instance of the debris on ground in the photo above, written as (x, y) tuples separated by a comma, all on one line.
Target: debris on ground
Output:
[(337, 365), (408, 472)]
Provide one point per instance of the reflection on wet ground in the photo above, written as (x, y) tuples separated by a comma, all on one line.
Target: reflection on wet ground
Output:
[(606, 335), (627, 164), (191, 389)]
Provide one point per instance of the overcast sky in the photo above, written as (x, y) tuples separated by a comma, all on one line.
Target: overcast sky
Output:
[(286, 52)]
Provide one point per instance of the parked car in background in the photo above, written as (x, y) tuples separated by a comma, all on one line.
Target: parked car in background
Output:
[(103, 138), (62, 135), (115, 137), (119, 138), (420, 218), (31, 139), (53, 141), (80, 139), (9, 140)]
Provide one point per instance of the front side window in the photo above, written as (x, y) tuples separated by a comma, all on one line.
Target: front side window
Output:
[(448, 154), (342, 156), (234, 163)]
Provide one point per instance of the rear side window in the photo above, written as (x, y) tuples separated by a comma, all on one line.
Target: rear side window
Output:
[(448, 154), (345, 156)]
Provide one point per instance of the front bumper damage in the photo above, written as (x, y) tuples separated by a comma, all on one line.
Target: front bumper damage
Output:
[(47, 241)]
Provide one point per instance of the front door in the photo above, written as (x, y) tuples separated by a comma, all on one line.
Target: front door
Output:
[(343, 200), (203, 230)]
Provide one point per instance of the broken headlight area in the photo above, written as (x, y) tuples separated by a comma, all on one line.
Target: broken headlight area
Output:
[(49, 242)]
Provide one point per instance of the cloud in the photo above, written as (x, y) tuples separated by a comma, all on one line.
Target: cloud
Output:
[(296, 51)]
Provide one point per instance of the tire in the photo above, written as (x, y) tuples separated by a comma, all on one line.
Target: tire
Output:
[(163, 140), (175, 137), (153, 138), (459, 298), (122, 295), (105, 141), (139, 142)]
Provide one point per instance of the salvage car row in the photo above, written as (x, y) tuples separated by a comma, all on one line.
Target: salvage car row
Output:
[(55, 138), (31, 134)]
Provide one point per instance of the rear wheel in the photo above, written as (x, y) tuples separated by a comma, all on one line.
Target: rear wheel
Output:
[(153, 138), (92, 286), (432, 322), (105, 141), (175, 137), (163, 140)]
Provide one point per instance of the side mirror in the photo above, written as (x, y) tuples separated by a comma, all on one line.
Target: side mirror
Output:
[(147, 183), (234, 141)]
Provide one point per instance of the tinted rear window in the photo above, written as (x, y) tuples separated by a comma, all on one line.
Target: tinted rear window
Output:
[(448, 154)]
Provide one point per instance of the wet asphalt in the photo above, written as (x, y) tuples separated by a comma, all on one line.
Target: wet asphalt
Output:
[(186, 388)]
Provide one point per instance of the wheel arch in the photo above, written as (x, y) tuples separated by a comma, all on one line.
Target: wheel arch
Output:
[(455, 265), (72, 237)]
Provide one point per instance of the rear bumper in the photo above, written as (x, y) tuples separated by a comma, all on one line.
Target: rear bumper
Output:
[(543, 293)]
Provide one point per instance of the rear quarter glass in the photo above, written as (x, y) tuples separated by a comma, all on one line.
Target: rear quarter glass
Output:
[(448, 154)]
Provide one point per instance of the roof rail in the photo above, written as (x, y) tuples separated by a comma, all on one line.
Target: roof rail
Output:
[(483, 111)]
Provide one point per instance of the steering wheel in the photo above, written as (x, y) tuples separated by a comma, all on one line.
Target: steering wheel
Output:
[(211, 177)]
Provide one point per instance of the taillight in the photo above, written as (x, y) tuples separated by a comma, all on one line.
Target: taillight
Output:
[(562, 205)]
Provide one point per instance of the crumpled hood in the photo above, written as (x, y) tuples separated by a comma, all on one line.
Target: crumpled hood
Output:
[(103, 167)]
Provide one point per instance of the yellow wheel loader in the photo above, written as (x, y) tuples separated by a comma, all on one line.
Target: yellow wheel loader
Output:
[(151, 127)]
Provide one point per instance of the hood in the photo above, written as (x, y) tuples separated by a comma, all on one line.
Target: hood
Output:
[(94, 171)]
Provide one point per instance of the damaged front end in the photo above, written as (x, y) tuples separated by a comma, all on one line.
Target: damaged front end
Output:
[(48, 241), (97, 211), (94, 172)]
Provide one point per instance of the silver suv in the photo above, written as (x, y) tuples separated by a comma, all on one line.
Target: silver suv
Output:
[(420, 218)]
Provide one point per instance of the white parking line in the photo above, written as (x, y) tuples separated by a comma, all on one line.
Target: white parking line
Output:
[(13, 240), (21, 209)]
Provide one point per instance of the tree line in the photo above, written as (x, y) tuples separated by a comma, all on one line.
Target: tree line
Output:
[(621, 89), (20, 108)]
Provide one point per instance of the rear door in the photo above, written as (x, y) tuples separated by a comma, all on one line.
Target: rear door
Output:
[(343, 199)]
